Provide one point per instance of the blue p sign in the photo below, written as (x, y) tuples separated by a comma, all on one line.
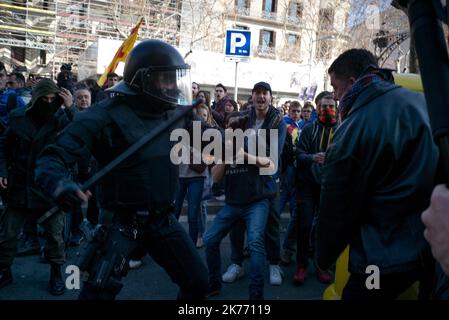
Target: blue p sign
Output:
[(238, 43)]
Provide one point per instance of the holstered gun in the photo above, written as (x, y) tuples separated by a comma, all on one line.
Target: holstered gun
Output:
[(105, 257)]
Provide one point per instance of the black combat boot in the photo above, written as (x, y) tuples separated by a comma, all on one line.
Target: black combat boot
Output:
[(56, 285), (5, 277)]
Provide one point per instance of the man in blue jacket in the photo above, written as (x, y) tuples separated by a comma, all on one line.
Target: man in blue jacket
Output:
[(8, 99)]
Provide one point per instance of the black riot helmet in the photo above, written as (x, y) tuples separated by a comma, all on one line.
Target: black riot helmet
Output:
[(156, 69)]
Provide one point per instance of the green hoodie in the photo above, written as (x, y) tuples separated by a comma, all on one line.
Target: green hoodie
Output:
[(44, 87)]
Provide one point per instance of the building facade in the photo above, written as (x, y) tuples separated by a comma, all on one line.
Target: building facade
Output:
[(293, 41)]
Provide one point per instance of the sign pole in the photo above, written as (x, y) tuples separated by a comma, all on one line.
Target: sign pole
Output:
[(235, 83)]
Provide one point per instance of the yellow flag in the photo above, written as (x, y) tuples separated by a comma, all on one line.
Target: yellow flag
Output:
[(121, 53)]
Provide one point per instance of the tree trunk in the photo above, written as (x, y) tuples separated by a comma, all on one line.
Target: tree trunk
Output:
[(413, 58)]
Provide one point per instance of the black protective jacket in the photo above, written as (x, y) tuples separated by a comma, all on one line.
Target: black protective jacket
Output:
[(146, 180), (376, 181)]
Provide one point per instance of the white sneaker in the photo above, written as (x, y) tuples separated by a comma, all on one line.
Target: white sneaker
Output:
[(221, 198), (276, 275), (135, 264), (233, 273)]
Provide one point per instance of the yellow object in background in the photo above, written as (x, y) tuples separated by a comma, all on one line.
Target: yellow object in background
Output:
[(409, 80), (335, 290)]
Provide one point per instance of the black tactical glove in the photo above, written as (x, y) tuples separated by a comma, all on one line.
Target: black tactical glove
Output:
[(66, 195)]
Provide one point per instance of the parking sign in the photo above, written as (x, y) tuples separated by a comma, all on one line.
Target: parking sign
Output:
[(238, 43)]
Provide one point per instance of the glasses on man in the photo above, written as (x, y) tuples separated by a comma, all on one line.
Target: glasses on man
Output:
[(306, 111)]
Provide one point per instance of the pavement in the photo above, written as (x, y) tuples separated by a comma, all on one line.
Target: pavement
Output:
[(150, 282)]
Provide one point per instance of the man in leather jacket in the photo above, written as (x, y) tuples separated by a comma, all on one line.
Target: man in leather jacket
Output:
[(135, 198), (376, 180)]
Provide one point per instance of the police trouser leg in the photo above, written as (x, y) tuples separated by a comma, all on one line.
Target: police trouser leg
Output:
[(170, 246), (12, 221)]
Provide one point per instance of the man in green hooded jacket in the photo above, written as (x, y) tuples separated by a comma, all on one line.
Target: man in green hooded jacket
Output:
[(31, 130)]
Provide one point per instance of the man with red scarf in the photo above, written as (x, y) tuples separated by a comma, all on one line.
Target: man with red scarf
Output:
[(311, 149)]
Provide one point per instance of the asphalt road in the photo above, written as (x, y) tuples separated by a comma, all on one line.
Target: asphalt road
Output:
[(150, 282)]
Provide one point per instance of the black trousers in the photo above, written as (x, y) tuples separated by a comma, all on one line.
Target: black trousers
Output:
[(308, 199), (166, 241)]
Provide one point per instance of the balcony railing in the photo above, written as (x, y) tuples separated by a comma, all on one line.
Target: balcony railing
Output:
[(264, 51), (266, 15)]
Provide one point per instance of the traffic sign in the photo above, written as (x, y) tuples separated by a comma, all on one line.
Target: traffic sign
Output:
[(238, 43)]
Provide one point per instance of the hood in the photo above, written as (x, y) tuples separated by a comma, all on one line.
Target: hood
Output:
[(44, 87)]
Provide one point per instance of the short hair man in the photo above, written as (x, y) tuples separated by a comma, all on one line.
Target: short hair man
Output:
[(112, 79), (288, 188), (306, 115), (9, 99), (15, 81), (246, 198), (218, 106), (82, 97), (312, 144), (377, 178)]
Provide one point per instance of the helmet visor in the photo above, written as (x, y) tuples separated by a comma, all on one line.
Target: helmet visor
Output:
[(172, 86)]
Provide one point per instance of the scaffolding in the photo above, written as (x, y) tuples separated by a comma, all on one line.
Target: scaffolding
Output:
[(64, 29)]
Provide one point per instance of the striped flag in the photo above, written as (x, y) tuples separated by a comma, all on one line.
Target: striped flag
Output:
[(121, 53)]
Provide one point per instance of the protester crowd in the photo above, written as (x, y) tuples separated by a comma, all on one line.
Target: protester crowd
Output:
[(356, 168)]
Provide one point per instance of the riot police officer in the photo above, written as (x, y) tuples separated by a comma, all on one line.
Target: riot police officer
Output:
[(135, 198)]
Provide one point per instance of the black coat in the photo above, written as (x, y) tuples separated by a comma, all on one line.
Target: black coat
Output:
[(376, 181), (314, 138), (20, 145)]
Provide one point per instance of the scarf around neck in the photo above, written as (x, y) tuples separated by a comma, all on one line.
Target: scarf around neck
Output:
[(372, 75)]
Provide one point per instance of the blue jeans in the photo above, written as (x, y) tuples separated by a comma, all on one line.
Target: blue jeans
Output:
[(202, 221), (272, 235), (255, 216), (288, 195), (193, 187)]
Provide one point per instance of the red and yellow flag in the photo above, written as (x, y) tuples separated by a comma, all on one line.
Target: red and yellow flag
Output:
[(121, 53)]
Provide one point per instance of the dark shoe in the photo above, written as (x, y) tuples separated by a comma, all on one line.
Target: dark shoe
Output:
[(300, 276), (28, 246), (213, 290), (5, 277), (56, 285)]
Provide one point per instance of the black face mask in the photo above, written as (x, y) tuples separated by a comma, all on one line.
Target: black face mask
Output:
[(42, 111)]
